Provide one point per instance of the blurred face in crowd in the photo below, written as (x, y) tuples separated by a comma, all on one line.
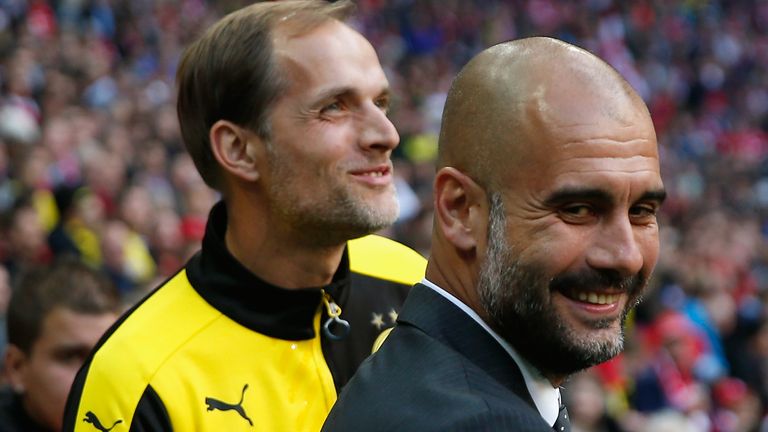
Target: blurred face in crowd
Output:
[(137, 209), (331, 140), (27, 235), (587, 406), (44, 375), (573, 236), (90, 208)]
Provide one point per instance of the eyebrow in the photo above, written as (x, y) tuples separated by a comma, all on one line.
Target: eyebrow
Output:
[(570, 194), (333, 92)]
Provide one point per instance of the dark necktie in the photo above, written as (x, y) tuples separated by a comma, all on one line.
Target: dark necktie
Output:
[(562, 424)]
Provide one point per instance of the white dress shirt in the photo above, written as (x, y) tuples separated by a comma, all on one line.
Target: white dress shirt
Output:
[(546, 397)]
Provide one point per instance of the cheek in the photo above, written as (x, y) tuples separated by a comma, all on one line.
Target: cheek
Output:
[(308, 163), (51, 378), (47, 385), (649, 247), (553, 250)]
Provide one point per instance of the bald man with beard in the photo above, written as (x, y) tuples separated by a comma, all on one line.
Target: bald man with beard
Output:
[(545, 236)]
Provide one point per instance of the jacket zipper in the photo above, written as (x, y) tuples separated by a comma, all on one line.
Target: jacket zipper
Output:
[(334, 327)]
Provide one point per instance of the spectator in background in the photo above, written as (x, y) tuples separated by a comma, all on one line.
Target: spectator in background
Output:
[(670, 381), (736, 407), (748, 351), (586, 399), (126, 258), (24, 239), (55, 317), (79, 226), (167, 242)]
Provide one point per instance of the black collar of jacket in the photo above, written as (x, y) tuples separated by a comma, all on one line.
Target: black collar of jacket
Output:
[(250, 301), (444, 321)]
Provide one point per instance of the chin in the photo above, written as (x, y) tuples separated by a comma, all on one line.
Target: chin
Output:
[(559, 347), (378, 215), (599, 348)]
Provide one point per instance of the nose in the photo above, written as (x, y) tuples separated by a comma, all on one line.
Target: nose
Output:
[(616, 247), (378, 133)]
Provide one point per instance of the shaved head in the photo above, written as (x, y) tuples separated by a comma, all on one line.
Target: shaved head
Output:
[(547, 191), (503, 100)]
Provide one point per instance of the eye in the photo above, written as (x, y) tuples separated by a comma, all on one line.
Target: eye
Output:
[(643, 213), (331, 107), (383, 103), (71, 355), (577, 212)]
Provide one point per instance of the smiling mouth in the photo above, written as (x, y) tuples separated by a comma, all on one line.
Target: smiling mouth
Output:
[(597, 298), (592, 297), (376, 172)]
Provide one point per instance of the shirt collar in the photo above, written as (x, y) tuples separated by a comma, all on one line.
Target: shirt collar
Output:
[(221, 280), (546, 397)]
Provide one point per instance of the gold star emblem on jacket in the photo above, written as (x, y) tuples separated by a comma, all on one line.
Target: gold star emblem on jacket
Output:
[(378, 320)]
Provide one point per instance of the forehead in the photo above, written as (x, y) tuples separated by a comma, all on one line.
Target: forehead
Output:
[(628, 176), (624, 175), (575, 137), (331, 54), (65, 327)]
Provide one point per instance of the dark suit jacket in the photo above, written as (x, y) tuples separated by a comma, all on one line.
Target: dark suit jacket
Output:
[(437, 371)]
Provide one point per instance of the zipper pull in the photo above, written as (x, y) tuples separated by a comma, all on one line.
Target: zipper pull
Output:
[(333, 318)]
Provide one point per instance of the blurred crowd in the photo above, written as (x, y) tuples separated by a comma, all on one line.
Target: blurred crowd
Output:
[(92, 165)]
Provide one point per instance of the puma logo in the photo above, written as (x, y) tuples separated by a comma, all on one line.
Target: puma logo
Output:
[(215, 404), (91, 418)]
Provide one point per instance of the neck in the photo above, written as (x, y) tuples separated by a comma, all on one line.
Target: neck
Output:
[(278, 255), (455, 275), (459, 275), (555, 380)]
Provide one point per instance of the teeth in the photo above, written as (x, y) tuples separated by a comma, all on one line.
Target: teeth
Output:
[(597, 298), (374, 174)]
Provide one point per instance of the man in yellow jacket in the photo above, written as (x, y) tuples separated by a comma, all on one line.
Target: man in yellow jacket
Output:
[(283, 108)]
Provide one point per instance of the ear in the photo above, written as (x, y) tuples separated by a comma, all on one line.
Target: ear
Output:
[(15, 365), (238, 150), (461, 212)]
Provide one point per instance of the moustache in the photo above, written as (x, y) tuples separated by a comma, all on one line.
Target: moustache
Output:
[(598, 280)]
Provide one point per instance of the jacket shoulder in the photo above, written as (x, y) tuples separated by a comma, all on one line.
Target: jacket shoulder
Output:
[(121, 369), (387, 259), (450, 392)]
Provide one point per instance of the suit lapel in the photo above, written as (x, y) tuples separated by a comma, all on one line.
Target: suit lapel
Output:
[(438, 317)]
